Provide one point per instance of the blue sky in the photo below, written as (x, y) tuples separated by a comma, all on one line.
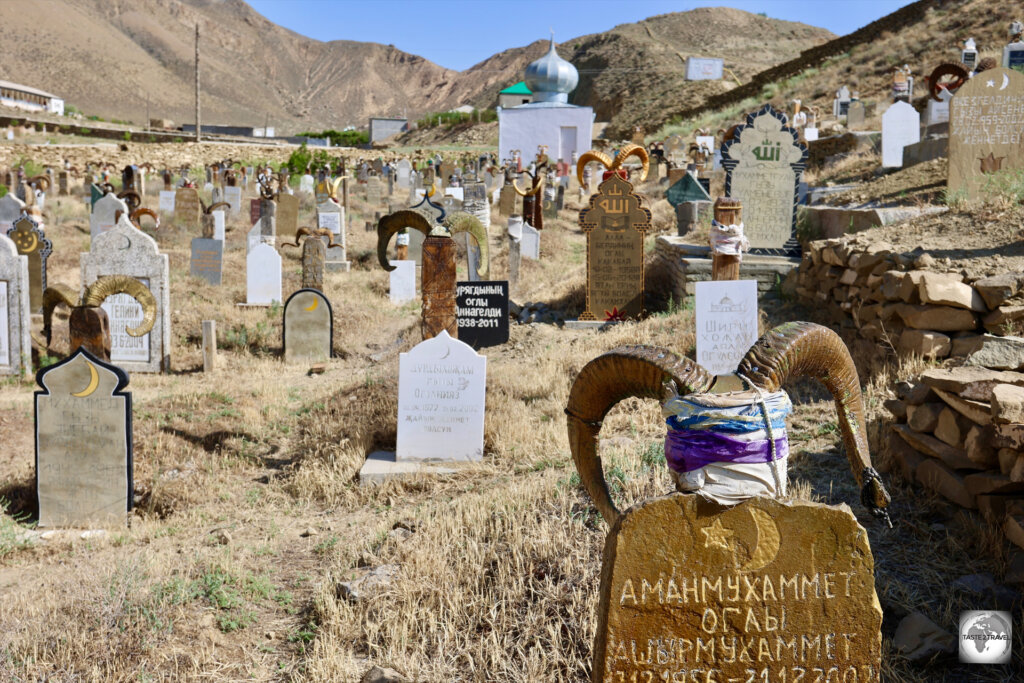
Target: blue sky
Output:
[(459, 33)]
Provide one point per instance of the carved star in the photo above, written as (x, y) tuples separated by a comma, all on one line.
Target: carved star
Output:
[(991, 163), (716, 535), (990, 84), (615, 315)]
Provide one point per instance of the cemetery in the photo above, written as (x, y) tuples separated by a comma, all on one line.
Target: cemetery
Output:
[(727, 386)]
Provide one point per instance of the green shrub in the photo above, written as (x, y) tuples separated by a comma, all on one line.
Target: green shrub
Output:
[(454, 118), (344, 138)]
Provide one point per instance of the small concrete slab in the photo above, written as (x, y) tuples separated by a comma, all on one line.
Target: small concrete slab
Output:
[(381, 466), (589, 324)]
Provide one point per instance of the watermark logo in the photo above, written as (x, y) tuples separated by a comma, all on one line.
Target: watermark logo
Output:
[(985, 637)]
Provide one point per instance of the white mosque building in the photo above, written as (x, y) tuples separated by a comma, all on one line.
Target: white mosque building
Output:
[(548, 119)]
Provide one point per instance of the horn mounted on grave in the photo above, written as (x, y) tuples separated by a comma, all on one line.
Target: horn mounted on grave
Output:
[(614, 164), (316, 232), (784, 353), (95, 294)]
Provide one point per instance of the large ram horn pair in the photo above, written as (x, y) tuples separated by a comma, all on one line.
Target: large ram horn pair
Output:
[(784, 353), (317, 232), (95, 295), (614, 164), (42, 180), (457, 222)]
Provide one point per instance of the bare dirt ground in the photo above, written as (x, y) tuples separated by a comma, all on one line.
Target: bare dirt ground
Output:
[(248, 514)]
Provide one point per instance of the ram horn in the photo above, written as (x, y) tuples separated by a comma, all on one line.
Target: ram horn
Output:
[(42, 179), (586, 158), (208, 210), (641, 371), (392, 223), (333, 194), (633, 151), (131, 199), (538, 185), (460, 221), (137, 214), (312, 232), (53, 296), (806, 349), (958, 72), (107, 188), (98, 291)]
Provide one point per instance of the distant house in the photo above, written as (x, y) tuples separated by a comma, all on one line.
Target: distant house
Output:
[(514, 95), (464, 109), (384, 128), (29, 99)]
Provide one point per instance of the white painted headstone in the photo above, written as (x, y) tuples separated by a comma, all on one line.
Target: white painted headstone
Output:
[(402, 172), (306, 184), (167, 201), (104, 214), (901, 126), (442, 383), (10, 211), (530, 245), (726, 323), (124, 250), (403, 281), (810, 134), (253, 237), (937, 112), (262, 275), (218, 224), (233, 196), (456, 192)]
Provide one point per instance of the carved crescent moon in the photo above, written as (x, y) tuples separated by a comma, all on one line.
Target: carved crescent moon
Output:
[(35, 241), (312, 306), (767, 547), (1006, 82), (94, 381)]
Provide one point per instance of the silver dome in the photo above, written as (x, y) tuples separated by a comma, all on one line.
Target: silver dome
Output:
[(551, 78)]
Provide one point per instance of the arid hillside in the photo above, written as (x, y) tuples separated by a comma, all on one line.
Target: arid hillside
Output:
[(112, 58)]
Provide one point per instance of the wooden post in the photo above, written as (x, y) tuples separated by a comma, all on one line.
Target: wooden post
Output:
[(198, 120), (209, 345), (728, 211), (344, 202), (439, 287)]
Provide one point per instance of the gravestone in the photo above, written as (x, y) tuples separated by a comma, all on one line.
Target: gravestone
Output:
[(166, 204), (31, 242), (287, 214), (986, 130), (686, 189), (475, 203), (402, 173), (253, 237), (615, 224), (262, 276), (482, 312), (331, 216), (254, 210), (10, 211), (124, 250), (507, 201), (218, 225), (207, 260), (442, 383), (901, 126), (306, 184), (762, 591), (233, 196), (529, 244), (104, 214), (15, 346), (841, 103), (726, 312), (268, 221), (402, 282), (1013, 57), (187, 208), (549, 208), (764, 163), (373, 191), (855, 115), (308, 327), (314, 254), (83, 443), (456, 192), (938, 112)]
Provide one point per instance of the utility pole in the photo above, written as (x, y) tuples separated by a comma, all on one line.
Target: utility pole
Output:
[(197, 84)]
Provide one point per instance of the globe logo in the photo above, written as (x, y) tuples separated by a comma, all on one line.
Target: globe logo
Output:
[(985, 637)]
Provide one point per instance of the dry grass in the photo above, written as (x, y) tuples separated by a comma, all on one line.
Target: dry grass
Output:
[(498, 580)]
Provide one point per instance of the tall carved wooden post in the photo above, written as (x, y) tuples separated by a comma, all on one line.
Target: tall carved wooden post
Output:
[(439, 289), (726, 266)]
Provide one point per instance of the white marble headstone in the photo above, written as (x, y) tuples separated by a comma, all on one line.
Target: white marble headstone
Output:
[(938, 112), (726, 312), (167, 201), (262, 275), (901, 126), (233, 196), (442, 383), (530, 244), (218, 225), (10, 211), (104, 214), (306, 184), (402, 281)]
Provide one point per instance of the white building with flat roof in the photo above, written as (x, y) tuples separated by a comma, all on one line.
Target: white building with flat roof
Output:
[(29, 99), (548, 119)]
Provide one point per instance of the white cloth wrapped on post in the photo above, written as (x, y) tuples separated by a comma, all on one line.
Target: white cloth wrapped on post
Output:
[(728, 239)]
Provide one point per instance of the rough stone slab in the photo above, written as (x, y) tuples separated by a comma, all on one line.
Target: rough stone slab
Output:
[(1008, 436), (998, 353), (969, 381), (1007, 458), (1013, 529), (925, 343), (380, 466), (1002, 318), (1007, 404), (996, 289), (990, 482), (925, 417), (906, 457), (965, 343), (929, 445), (949, 290), (940, 318), (952, 428), (896, 408), (978, 445), (976, 411), (934, 475)]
